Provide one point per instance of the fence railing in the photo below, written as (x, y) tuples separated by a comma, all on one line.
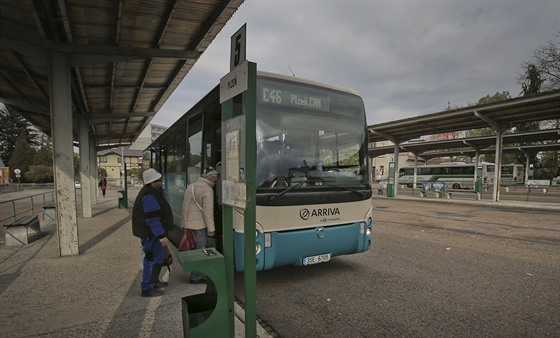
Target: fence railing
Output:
[(24, 206)]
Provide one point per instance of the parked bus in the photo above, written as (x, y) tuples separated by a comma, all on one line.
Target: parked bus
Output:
[(556, 179), (459, 175), (512, 174), (313, 194)]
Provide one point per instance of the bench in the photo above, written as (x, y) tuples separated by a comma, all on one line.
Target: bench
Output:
[(543, 187), (424, 193), (19, 231), (49, 211), (470, 193)]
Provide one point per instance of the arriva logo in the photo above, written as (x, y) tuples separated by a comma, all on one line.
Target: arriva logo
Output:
[(305, 214)]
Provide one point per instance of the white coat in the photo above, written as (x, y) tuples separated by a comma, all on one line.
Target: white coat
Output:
[(192, 217)]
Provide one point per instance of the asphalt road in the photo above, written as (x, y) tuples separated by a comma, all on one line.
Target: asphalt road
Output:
[(434, 270)]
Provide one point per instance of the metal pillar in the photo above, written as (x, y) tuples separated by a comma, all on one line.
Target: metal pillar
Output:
[(61, 126), (527, 164), (87, 185), (250, 102), (396, 160), (227, 235), (93, 170), (241, 175), (498, 172), (477, 158), (415, 183)]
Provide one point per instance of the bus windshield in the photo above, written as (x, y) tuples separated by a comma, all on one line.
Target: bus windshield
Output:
[(309, 137)]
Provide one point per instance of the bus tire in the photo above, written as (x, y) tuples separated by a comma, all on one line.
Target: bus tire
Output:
[(456, 186)]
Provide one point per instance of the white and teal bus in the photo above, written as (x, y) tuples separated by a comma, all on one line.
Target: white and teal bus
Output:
[(459, 175), (313, 192)]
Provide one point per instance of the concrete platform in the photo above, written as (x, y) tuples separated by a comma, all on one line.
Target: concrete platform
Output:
[(95, 294)]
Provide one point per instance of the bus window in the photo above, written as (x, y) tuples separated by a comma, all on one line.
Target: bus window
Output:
[(194, 149)]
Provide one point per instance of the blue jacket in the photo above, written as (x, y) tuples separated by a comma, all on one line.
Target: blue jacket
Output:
[(151, 214)]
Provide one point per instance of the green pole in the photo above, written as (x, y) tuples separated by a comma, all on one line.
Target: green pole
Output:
[(250, 214), (227, 221)]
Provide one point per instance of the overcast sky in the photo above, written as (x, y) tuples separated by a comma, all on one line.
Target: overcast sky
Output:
[(405, 58)]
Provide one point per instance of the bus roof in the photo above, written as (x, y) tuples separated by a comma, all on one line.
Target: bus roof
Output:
[(310, 82)]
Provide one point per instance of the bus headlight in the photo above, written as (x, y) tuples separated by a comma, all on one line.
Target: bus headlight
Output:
[(258, 248), (365, 227)]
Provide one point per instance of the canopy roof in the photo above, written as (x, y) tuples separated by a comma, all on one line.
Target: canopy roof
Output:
[(127, 57), (506, 114)]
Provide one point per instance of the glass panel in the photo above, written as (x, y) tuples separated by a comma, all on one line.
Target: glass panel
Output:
[(309, 136), (194, 148)]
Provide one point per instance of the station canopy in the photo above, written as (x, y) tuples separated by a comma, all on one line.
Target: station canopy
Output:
[(506, 114), (127, 57)]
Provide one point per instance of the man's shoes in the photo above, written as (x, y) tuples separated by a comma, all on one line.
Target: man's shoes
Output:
[(152, 293), (198, 281), (161, 285)]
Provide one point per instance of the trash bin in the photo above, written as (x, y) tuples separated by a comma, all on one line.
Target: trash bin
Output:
[(478, 185), (207, 314), (390, 190), (123, 199), (197, 309)]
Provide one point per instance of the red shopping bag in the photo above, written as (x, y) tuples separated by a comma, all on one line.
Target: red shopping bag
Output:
[(187, 242)]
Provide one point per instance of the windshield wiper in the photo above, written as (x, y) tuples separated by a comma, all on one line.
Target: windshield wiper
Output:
[(284, 191), (358, 192)]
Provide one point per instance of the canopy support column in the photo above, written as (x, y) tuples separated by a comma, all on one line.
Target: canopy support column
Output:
[(85, 178), (63, 155), (93, 171)]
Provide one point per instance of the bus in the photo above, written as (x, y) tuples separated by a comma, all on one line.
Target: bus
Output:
[(459, 175), (313, 191), (512, 174)]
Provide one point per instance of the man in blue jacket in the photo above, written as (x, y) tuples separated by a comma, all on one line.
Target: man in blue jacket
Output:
[(151, 219)]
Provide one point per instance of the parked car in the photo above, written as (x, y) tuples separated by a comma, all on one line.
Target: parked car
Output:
[(77, 184)]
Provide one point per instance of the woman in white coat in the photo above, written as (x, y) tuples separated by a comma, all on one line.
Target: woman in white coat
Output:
[(198, 213)]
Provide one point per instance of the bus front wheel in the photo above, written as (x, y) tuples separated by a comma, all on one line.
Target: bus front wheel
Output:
[(456, 186)]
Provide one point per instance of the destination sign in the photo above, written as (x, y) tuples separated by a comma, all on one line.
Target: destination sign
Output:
[(283, 97)]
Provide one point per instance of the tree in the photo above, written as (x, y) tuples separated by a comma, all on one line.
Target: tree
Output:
[(12, 127), (43, 156), (76, 166), (22, 157), (532, 82), (546, 60), (101, 172), (39, 173), (497, 97)]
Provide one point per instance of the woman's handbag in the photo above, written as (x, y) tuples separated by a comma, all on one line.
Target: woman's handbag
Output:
[(187, 242)]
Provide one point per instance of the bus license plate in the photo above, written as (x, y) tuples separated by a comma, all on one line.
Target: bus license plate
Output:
[(316, 259)]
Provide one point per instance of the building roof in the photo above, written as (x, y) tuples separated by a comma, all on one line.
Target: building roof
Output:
[(126, 152)]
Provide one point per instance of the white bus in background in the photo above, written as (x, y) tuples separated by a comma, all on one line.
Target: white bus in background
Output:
[(556, 179), (460, 175), (512, 174)]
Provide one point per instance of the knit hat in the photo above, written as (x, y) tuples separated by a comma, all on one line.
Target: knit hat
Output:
[(150, 176), (210, 172)]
